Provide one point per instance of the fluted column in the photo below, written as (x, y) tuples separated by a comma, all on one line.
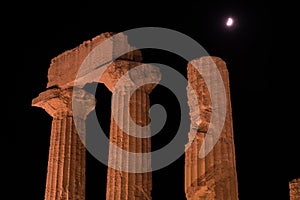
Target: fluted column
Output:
[(294, 186), (214, 176), (66, 161), (122, 181)]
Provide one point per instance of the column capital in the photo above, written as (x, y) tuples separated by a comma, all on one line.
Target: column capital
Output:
[(136, 76), (58, 101)]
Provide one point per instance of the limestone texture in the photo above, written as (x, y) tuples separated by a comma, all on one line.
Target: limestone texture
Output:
[(64, 67), (214, 176), (294, 186), (67, 154), (128, 185), (211, 178), (66, 160)]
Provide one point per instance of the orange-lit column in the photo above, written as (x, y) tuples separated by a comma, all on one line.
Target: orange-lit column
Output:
[(294, 186), (122, 182), (214, 176), (66, 161)]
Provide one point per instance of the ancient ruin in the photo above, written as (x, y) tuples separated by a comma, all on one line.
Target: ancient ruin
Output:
[(294, 186), (213, 177)]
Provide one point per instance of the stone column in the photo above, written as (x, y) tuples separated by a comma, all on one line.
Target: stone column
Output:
[(66, 161), (124, 184), (294, 186), (214, 176)]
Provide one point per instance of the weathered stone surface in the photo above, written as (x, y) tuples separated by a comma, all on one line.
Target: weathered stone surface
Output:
[(294, 186), (64, 67), (66, 161), (60, 100), (214, 176), (126, 185), (66, 166), (136, 76)]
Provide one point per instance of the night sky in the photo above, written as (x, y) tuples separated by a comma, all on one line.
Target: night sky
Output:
[(266, 152)]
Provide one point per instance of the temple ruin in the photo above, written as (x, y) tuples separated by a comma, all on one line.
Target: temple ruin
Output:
[(211, 178)]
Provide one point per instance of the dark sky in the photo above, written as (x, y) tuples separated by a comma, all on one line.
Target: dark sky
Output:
[(266, 153)]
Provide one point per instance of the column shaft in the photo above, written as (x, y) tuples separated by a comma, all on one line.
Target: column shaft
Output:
[(67, 155), (216, 177), (66, 165), (294, 186), (124, 185)]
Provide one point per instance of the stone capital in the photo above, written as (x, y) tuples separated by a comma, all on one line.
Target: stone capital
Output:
[(57, 101), (129, 74)]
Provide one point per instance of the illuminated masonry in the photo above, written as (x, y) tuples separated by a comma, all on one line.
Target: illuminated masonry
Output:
[(210, 178)]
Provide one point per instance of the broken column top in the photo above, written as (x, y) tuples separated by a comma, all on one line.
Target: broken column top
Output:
[(294, 186), (209, 60), (64, 67)]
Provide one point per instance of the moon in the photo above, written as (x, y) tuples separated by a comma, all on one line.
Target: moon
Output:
[(229, 21)]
